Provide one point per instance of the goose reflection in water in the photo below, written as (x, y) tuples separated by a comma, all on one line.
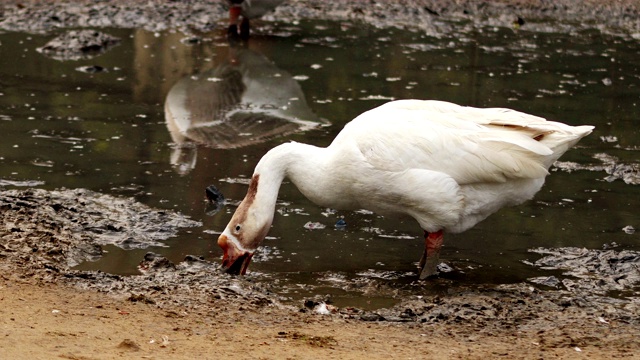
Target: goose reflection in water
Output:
[(243, 101)]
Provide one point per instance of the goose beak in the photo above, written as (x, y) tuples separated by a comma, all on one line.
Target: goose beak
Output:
[(234, 260)]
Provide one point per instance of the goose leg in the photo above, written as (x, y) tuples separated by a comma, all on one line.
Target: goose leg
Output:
[(234, 15), (244, 29), (431, 256)]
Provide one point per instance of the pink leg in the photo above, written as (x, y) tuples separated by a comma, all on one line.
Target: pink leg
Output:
[(234, 14), (431, 257)]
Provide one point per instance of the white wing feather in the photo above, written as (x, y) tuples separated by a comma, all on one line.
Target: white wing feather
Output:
[(470, 145)]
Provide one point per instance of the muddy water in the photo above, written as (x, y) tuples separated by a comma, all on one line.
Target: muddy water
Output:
[(107, 131)]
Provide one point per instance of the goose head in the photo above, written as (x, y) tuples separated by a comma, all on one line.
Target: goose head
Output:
[(247, 228)]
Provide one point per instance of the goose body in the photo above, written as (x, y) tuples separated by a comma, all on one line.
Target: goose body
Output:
[(445, 165)]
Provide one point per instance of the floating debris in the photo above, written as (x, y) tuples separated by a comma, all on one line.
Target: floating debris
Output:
[(340, 224), (314, 226), (300, 77), (609, 139), (91, 69), (377, 97), (629, 173)]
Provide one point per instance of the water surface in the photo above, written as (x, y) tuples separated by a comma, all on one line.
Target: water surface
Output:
[(107, 132)]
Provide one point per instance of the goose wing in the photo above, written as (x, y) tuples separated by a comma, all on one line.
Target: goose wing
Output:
[(463, 143)]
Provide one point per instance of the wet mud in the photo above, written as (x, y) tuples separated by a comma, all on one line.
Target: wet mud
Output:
[(207, 15), (44, 234), (62, 228), (78, 44)]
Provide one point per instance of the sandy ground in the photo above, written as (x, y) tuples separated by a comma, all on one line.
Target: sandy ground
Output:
[(192, 311), (44, 321)]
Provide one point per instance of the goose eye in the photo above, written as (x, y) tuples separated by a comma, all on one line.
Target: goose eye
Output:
[(237, 228)]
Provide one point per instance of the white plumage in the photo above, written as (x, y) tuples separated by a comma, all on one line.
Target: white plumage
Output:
[(445, 165)]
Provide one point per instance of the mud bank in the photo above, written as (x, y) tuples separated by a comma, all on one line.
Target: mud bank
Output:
[(561, 15), (45, 233)]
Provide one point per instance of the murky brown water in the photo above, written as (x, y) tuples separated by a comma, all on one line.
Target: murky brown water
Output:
[(107, 132)]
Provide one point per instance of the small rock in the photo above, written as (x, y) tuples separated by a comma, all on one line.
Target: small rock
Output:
[(128, 344)]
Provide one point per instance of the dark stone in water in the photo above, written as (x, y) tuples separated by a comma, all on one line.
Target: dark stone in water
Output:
[(215, 198), (213, 194)]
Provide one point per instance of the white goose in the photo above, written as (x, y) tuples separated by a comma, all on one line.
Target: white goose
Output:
[(446, 166)]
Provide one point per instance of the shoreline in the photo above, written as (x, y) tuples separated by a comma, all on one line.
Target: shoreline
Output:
[(621, 16), (191, 310)]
